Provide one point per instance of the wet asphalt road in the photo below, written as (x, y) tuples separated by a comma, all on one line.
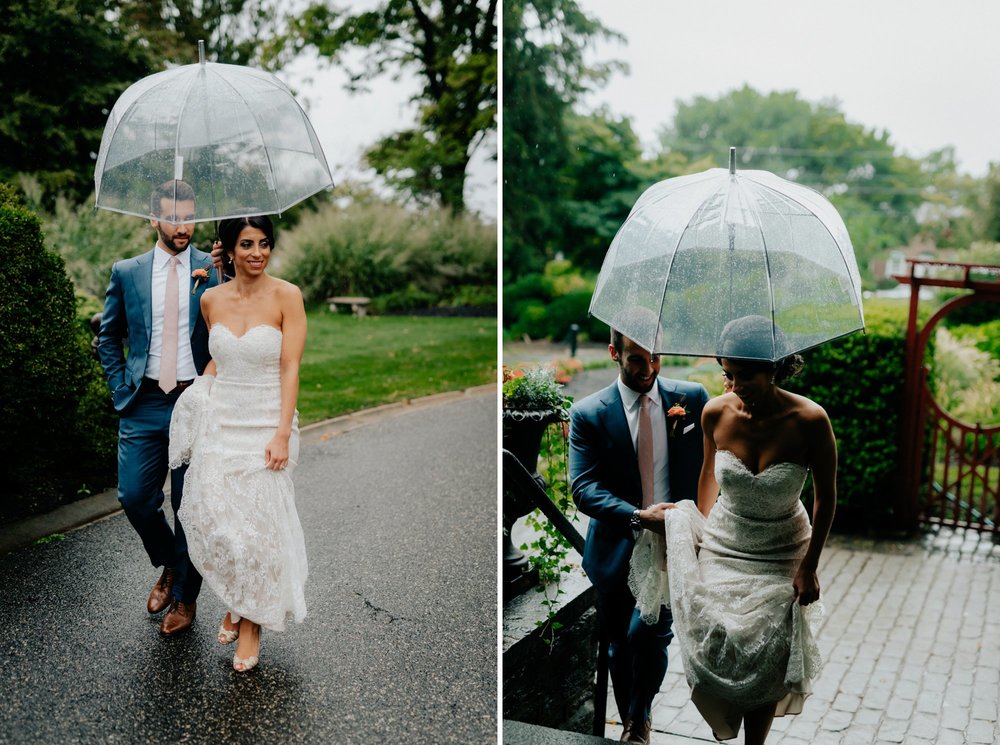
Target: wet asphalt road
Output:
[(399, 644)]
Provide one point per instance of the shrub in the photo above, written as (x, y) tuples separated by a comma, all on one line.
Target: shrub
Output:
[(859, 381), (47, 414), (379, 249), (543, 306)]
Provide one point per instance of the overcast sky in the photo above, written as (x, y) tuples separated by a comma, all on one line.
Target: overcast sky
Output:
[(348, 124), (926, 71)]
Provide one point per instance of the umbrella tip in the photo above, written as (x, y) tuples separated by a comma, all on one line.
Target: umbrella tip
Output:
[(201, 51), (732, 160)]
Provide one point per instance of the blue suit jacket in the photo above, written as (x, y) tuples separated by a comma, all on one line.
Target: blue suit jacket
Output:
[(128, 321), (604, 471)]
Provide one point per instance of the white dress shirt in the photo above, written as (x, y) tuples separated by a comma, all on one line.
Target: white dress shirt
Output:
[(661, 465), (185, 359)]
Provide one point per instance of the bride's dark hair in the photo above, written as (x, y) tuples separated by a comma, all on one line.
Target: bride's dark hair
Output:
[(745, 340), (230, 229)]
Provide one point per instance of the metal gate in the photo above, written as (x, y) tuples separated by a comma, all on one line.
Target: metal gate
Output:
[(950, 469)]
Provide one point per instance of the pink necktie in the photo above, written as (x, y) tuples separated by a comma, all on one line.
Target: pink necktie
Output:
[(168, 355), (646, 450)]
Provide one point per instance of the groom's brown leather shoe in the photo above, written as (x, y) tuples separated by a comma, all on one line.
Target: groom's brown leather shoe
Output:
[(638, 733), (626, 725), (159, 596), (178, 619)]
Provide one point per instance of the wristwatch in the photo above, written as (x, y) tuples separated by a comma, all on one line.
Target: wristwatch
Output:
[(634, 522)]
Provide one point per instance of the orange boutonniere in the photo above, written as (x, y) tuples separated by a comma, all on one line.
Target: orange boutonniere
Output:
[(199, 275), (676, 414)]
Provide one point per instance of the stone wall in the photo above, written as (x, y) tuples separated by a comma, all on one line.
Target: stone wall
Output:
[(548, 677)]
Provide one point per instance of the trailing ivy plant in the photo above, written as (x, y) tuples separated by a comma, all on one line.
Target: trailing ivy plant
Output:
[(547, 553)]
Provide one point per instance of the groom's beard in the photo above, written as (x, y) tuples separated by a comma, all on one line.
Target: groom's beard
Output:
[(185, 239)]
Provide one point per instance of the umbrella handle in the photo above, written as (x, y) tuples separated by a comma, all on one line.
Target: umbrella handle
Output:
[(218, 270)]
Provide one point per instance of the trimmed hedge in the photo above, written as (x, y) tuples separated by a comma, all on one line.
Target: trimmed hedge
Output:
[(859, 381), (55, 427)]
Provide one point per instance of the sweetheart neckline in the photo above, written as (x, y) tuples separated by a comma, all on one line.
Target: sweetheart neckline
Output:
[(763, 470), (259, 325)]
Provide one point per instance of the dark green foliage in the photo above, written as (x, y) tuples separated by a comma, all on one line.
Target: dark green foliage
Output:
[(859, 381), (543, 306), (63, 64), (55, 431), (541, 81), (235, 32)]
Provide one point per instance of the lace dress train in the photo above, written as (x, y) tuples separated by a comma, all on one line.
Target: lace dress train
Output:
[(242, 528), (727, 579)]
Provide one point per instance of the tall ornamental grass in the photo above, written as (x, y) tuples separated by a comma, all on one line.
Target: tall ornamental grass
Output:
[(89, 240), (402, 259)]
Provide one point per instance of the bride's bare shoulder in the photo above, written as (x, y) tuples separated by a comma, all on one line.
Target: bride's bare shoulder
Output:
[(286, 289), (807, 409)]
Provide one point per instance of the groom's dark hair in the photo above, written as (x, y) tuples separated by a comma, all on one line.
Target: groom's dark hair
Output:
[(179, 191)]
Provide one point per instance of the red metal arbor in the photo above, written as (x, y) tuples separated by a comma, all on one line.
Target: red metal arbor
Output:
[(950, 469)]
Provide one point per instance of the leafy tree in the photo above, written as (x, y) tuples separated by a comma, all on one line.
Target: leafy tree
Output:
[(451, 45), (236, 32), (63, 63), (876, 191), (603, 183), (604, 175), (544, 73)]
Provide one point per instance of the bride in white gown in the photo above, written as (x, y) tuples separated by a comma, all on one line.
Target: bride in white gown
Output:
[(740, 569), (239, 430)]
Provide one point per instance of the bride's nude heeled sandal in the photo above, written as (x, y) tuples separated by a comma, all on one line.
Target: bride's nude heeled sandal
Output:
[(228, 636), (241, 665), (246, 664)]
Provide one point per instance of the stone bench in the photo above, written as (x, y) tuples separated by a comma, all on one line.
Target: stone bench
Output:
[(359, 305)]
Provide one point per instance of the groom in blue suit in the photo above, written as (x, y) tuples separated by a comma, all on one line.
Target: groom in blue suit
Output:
[(604, 465), (167, 342)]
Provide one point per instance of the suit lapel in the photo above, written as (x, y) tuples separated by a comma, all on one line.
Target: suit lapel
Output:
[(194, 307), (143, 278), (615, 421)]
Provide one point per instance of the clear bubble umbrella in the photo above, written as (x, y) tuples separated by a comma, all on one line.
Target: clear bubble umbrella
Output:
[(235, 134), (738, 264)]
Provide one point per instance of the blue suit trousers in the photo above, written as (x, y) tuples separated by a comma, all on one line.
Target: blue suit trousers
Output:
[(637, 651), (143, 437)]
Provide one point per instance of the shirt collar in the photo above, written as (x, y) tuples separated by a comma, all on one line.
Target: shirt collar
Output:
[(630, 398), (161, 257)]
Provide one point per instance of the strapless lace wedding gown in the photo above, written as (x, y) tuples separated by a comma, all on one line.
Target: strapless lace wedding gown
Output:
[(727, 579), (243, 532)]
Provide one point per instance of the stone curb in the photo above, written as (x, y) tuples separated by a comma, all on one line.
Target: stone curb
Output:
[(85, 511)]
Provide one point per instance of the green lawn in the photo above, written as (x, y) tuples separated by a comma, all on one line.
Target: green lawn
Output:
[(355, 363)]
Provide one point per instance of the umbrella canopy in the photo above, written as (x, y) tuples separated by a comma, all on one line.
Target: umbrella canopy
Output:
[(698, 253), (235, 134)]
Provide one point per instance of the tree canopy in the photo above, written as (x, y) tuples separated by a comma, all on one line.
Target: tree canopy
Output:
[(451, 45), (235, 32), (545, 71), (63, 63)]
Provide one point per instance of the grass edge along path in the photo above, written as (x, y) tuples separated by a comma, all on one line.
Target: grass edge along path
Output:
[(352, 363)]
